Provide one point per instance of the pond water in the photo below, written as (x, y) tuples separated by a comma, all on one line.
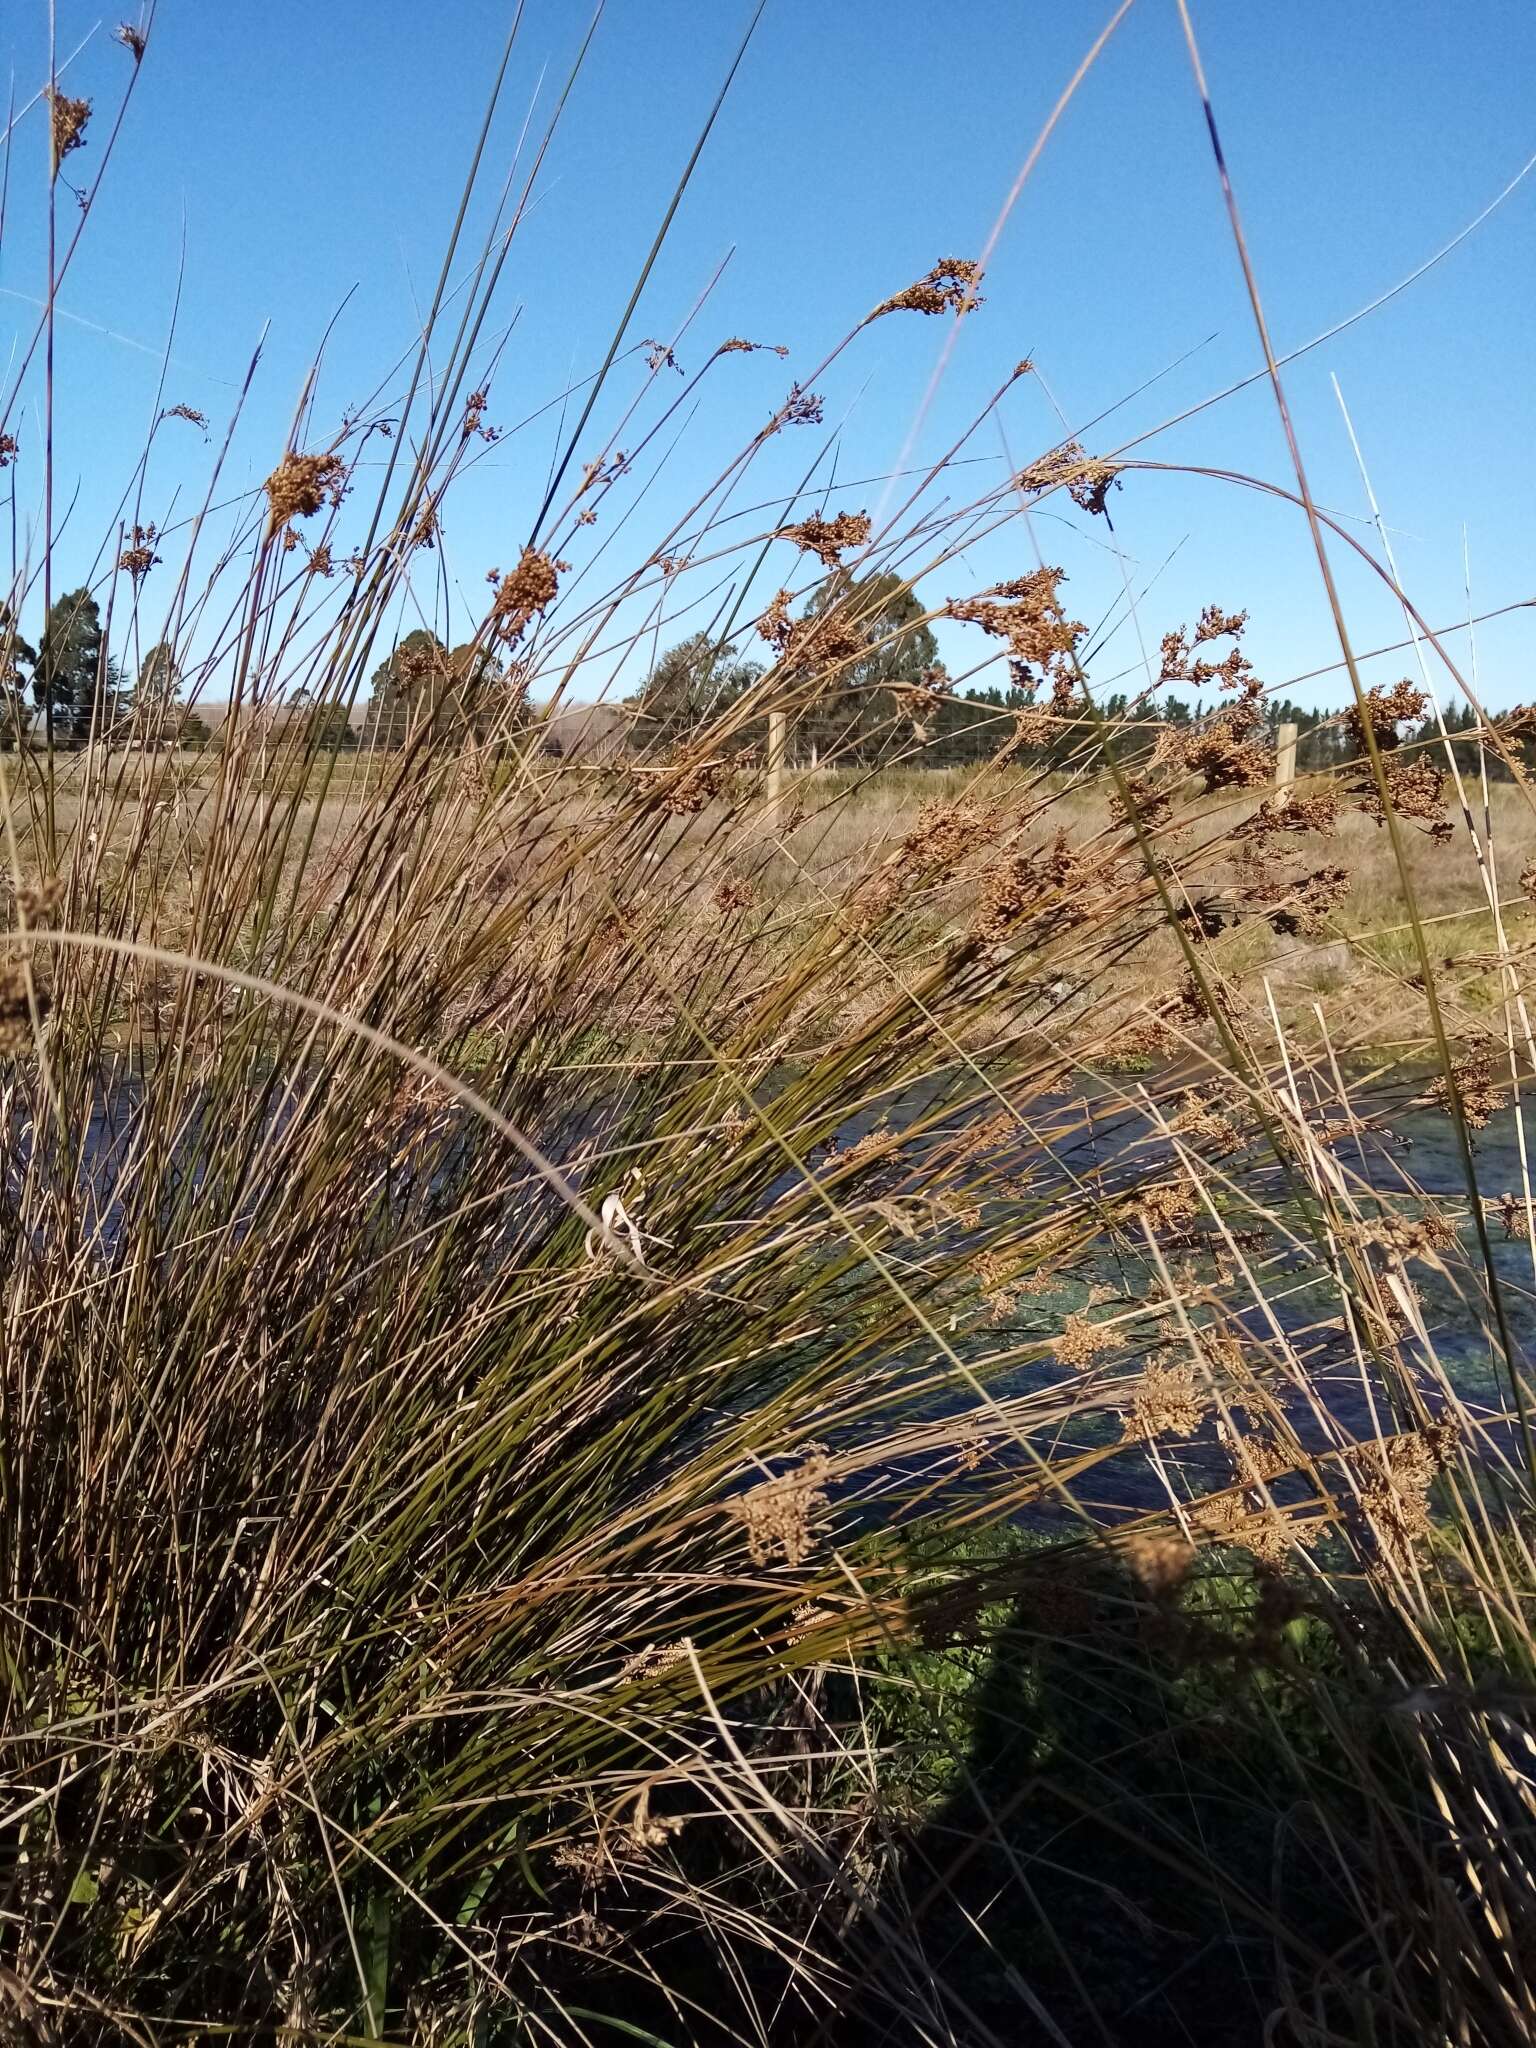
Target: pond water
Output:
[(1100, 1140), (1413, 1159)]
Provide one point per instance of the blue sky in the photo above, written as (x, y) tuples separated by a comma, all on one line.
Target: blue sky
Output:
[(310, 155)]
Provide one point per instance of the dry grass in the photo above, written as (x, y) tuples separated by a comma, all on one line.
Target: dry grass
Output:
[(626, 1410)]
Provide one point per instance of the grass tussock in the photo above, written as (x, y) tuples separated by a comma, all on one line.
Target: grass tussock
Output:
[(639, 1401)]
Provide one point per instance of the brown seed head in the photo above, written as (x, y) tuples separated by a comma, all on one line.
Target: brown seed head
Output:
[(949, 286), (1215, 624), (69, 118), (140, 557), (1161, 1562), (800, 409), (698, 784), (1227, 756), (780, 1514), (1164, 1402), (1080, 1341), (1086, 478), (1313, 810), (659, 357), (37, 901), (301, 485), (734, 893), (528, 590), (1309, 901), (1480, 1095), (1415, 789), (133, 40), (945, 832), (827, 538), (1028, 614), (1386, 709)]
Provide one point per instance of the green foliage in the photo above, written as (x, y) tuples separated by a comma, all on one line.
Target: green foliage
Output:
[(862, 715), (692, 683), (69, 667)]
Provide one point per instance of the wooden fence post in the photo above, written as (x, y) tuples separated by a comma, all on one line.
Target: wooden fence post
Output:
[(778, 726), (1285, 761)]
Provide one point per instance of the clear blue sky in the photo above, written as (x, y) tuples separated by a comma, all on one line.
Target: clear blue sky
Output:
[(310, 151)]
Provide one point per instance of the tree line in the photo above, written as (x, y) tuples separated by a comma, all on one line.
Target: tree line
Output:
[(69, 689), (893, 702), (898, 702)]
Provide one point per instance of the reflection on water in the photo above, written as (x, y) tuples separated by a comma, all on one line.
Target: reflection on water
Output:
[(1100, 1140), (1408, 1156)]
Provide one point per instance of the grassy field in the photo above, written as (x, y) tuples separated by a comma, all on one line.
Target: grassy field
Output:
[(634, 1410)]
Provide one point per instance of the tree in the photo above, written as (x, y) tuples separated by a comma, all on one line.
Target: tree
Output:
[(482, 702), (157, 712), (69, 664), (15, 656), (423, 690), (690, 684), (397, 687), (861, 714), (109, 711), (327, 728)]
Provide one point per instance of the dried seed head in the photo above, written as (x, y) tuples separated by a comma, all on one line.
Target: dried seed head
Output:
[(827, 640), (1168, 1205), (1423, 1236), (1215, 624), (800, 409), (1415, 789), (1227, 756), (1480, 1095), (1266, 1535), (133, 40), (827, 538), (1087, 479), (734, 893), (659, 357), (998, 1283), (7, 450), (1396, 1475), (1386, 709), (301, 484), (69, 118), (780, 1514), (1164, 1402), (1080, 1341), (1028, 614), (37, 901), (1150, 807), (529, 590), (186, 412), (1309, 901), (140, 557), (1161, 1562), (945, 832), (1313, 810), (949, 286), (698, 784), (736, 346)]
